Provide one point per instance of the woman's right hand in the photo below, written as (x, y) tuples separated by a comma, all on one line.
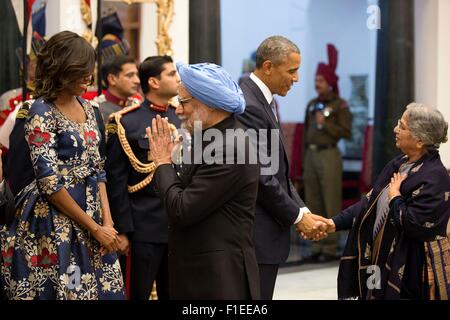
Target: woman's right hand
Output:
[(108, 238)]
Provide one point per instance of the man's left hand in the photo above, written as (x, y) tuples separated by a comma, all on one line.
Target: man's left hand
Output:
[(160, 140)]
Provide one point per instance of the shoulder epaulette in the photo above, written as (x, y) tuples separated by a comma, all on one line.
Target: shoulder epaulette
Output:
[(111, 128), (114, 118), (125, 110), (94, 104), (99, 99), (23, 109), (132, 101)]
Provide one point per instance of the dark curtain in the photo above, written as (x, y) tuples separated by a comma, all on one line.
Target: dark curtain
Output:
[(394, 77), (10, 40)]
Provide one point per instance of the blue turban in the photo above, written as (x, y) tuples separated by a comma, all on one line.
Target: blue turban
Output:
[(213, 86)]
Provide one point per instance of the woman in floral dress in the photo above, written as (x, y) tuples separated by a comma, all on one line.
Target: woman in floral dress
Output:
[(61, 244)]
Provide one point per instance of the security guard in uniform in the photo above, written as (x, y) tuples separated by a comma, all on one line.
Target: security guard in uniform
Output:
[(327, 120), (136, 208)]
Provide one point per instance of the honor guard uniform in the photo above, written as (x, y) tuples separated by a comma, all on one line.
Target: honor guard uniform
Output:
[(327, 120), (136, 208), (11, 101), (8, 117), (110, 104)]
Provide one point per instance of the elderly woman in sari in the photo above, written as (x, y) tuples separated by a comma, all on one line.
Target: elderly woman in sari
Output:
[(398, 246)]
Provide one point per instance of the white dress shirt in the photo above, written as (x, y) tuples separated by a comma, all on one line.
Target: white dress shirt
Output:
[(269, 97)]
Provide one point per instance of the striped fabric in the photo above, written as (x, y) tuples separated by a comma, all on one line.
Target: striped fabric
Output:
[(438, 267)]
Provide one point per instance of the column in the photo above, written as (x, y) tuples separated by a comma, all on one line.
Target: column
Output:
[(395, 75), (443, 71), (204, 27), (432, 62)]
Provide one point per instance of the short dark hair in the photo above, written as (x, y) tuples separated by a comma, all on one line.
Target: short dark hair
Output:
[(114, 66), (152, 67), (275, 49), (65, 58)]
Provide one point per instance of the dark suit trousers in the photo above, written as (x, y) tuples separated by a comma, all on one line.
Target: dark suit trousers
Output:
[(268, 276), (149, 264), (2, 295)]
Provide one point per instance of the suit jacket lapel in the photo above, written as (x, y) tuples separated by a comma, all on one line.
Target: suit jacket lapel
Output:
[(262, 99)]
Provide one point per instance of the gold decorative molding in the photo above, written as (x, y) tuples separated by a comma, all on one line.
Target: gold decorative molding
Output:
[(165, 13), (86, 15)]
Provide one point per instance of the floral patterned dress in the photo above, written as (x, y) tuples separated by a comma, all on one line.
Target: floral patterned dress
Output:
[(44, 253)]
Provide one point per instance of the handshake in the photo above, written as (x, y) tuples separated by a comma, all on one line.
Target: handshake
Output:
[(314, 227)]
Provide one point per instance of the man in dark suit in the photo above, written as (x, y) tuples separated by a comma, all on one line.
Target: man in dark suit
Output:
[(278, 205), (136, 209), (211, 206)]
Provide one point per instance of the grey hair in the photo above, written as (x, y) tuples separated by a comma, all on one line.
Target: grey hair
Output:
[(426, 125), (275, 49)]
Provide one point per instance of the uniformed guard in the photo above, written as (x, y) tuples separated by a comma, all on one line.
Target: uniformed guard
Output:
[(136, 208), (119, 71), (11, 101), (19, 171), (121, 79), (327, 120)]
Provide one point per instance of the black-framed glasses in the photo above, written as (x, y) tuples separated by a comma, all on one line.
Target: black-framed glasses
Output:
[(181, 100), (88, 80)]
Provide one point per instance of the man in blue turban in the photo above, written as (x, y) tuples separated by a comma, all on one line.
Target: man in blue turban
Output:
[(211, 205), (212, 87)]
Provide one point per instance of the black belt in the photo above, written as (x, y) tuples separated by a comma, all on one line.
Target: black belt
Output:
[(318, 147)]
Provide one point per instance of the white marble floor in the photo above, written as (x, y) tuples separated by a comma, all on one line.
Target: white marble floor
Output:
[(307, 282)]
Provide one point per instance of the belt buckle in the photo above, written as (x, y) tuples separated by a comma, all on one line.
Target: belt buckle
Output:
[(313, 147)]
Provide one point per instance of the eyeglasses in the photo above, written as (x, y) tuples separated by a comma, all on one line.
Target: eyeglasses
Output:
[(401, 126), (88, 80), (181, 100)]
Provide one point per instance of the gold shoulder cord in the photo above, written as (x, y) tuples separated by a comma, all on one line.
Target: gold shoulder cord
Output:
[(135, 163), (23, 109)]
